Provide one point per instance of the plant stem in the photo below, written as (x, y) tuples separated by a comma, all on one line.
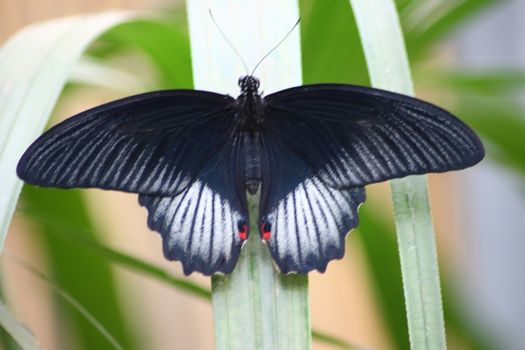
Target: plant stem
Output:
[(388, 67), (255, 307)]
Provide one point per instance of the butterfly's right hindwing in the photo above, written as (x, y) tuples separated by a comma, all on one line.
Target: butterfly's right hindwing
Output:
[(306, 219)]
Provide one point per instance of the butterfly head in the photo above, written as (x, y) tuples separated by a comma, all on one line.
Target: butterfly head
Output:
[(248, 84)]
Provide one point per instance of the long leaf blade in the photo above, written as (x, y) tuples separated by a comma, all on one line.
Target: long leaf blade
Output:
[(254, 307), (388, 67), (75, 304), (18, 332), (34, 66)]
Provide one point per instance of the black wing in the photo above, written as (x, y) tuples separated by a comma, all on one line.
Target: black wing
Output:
[(153, 143), (303, 219), (205, 225), (338, 138), (177, 149)]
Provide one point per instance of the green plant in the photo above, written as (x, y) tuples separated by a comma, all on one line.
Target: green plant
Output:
[(331, 51)]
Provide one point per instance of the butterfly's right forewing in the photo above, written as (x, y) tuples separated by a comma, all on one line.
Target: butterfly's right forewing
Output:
[(354, 136)]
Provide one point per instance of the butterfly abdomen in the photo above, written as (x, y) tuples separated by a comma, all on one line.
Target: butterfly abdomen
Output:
[(252, 124), (252, 146)]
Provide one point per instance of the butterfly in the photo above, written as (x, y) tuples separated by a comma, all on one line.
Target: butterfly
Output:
[(308, 151)]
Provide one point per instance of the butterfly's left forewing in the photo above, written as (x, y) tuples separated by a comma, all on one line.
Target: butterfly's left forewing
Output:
[(153, 143)]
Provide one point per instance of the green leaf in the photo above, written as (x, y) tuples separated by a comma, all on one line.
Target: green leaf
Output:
[(77, 270), (163, 41), (500, 122), (488, 83), (34, 66), (330, 44), (379, 243), (94, 72), (387, 63), (17, 331), (488, 103), (378, 237), (423, 29), (255, 307), (71, 301), (76, 234), (82, 238), (331, 340)]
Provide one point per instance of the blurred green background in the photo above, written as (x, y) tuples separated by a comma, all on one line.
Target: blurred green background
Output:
[(467, 56)]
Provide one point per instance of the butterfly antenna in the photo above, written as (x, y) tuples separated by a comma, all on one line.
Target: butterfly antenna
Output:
[(228, 41), (276, 46)]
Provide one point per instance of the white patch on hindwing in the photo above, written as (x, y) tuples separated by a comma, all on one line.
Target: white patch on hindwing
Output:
[(310, 223)]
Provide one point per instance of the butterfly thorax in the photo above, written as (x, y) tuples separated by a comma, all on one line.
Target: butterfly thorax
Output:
[(250, 105)]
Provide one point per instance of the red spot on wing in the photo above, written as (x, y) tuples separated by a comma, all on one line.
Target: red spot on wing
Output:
[(244, 233), (266, 234)]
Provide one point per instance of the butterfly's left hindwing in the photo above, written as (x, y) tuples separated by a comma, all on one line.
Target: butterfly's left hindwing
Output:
[(200, 226)]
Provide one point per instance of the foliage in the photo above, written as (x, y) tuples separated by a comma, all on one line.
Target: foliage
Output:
[(331, 53)]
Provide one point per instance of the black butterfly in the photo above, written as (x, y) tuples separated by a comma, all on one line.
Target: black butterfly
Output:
[(192, 156)]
